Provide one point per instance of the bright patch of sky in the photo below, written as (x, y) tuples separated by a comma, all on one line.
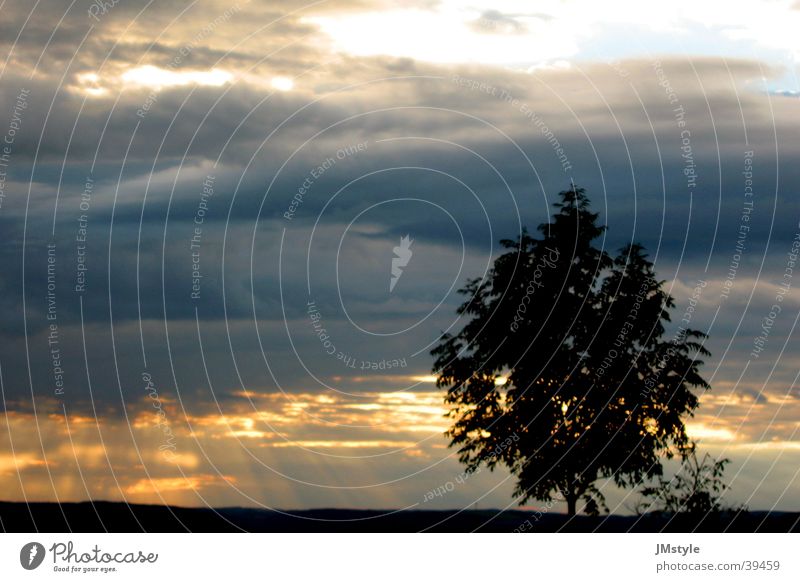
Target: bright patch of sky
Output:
[(523, 35)]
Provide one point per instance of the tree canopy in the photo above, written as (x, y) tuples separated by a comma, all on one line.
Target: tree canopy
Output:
[(564, 370)]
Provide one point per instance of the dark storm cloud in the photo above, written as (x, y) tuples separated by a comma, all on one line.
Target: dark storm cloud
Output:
[(615, 124)]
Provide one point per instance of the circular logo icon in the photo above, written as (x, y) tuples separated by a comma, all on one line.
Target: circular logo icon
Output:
[(31, 555)]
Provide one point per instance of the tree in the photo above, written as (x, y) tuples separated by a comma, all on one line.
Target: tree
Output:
[(562, 371), (697, 489)]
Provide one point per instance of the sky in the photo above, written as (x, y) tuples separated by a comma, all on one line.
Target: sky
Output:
[(201, 205)]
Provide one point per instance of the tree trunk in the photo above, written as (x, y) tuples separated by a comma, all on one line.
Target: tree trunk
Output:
[(572, 502)]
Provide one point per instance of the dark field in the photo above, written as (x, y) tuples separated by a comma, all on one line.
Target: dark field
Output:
[(121, 517)]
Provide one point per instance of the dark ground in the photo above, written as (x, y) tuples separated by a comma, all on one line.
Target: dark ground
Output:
[(122, 517)]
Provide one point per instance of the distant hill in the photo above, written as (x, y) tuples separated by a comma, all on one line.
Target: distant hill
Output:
[(122, 517)]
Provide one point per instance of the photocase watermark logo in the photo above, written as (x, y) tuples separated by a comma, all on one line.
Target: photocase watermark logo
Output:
[(31, 555), (402, 256), (69, 559)]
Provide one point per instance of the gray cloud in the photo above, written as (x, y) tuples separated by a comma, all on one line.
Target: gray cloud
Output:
[(616, 124)]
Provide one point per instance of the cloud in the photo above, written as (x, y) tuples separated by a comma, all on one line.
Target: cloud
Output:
[(495, 22), (463, 143)]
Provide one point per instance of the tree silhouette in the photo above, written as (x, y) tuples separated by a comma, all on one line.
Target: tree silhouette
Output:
[(696, 489), (562, 371)]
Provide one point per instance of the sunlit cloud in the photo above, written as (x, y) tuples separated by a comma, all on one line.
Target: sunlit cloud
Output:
[(94, 85), (282, 83), (509, 32), (425, 379), (291, 433), (700, 431), (770, 446), (170, 484), (89, 83), (157, 78), (418, 34), (10, 464), (344, 444)]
